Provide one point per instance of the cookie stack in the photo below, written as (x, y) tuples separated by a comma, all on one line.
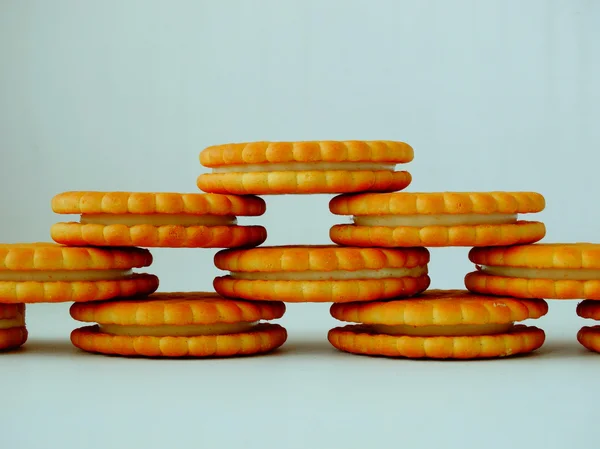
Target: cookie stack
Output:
[(129, 317), (439, 324), (558, 271)]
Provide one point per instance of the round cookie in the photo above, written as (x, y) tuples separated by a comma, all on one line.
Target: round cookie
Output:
[(307, 167), (195, 324), (47, 272), (439, 324), (542, 270), (589, 336), (437, 219), (321, 273), (13, 332), (168, 220)]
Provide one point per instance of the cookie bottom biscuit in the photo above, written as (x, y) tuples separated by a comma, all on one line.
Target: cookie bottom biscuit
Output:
[(359, 339), (589, 338), (438, 236), (12, 338), (149, 236), (303, 182), (482, 283), (264, 338)]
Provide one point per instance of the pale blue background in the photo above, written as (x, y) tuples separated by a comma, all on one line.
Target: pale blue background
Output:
[(122, 95)]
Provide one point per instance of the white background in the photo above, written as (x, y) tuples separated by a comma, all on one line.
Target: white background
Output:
[(123, 95)]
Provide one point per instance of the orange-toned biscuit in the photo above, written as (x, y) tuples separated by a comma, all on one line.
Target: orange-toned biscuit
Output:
[(176, 308), (437, 219), (552, 271), (589, 309), (439, 324), (442, 308), (195, 324), (47, 272), (358, 340), (151, 219), (589, 338), (321, 273), (263, 168), (13, 332)]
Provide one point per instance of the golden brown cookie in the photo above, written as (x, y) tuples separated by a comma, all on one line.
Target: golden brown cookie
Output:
[(551, 270), (437, 219), (321, 273), (309, 167), (47, 272), (13, 332), (589, 338), (439, 324), (195, 324), (175, 220)]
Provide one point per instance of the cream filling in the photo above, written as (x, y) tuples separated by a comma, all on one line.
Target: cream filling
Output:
[(9, 323), (555, 274), (158, 219), (434, 220), (305, 166), (63, 275), (336, 275), (442, 330), (190, 330)]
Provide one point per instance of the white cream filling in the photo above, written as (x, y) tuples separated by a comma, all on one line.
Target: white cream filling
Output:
[(190, 330), (158, 219), (434, 220), (555, 274), (385, 273), (9, 323), (305, 166), (63, 275), (442, 330)]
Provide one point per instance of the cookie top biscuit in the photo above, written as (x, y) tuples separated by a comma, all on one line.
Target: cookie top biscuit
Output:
[(50, 256), (318, 258), (306, 151), (442, 307), (79, 202), (409, 203), (540, 255), (177, 308)]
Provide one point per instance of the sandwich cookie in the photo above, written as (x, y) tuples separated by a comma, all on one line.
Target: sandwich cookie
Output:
[(589, 336), (174, 220), (439, 324), (551, 271), (179, 325), (437, 219), (13, 332), (321, 273), (47, 272), (263, 168)]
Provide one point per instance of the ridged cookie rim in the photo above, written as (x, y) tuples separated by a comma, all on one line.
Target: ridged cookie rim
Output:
[(51, 256), (442, 307), (530, 338), (589, 309), (261, 152), (303, 182), (176, 308), (11, 310), (13, 338), (521, 232), (265, 338), (151, 203), (279, 258), (540, 255), (151, 236), (438, 203), (589, 338)]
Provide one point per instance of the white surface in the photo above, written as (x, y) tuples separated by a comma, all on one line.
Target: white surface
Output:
[(123, 95)]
